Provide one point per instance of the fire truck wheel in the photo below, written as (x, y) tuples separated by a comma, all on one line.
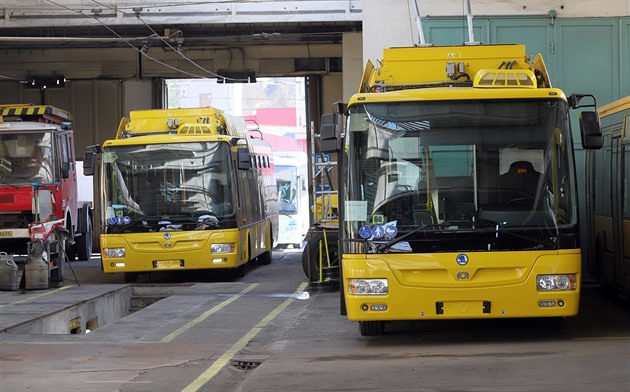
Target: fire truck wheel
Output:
[(71, 250), (84, 242), (311, 256)]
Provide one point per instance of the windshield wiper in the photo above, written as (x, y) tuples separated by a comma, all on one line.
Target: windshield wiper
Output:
[(496, 228), (396, 240), (121, 229), (4, 180), (541, 241), (500, 228)]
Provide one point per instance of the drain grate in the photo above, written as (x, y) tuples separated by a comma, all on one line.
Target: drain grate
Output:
[(245, 365)]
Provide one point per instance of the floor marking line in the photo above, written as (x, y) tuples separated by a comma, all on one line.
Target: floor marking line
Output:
[(36, 296), (224, 359), (168, 338)]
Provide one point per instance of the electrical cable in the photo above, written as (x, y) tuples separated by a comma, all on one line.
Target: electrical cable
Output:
[(127, 41), (176, 50)]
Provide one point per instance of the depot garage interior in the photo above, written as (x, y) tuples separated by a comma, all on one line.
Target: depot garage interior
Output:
[(100, 60)]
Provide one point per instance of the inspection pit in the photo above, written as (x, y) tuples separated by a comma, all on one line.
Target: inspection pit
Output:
[(87, 315)]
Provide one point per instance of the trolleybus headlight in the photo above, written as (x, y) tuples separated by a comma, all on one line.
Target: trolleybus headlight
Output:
[(368, 286), (222, 248), (115, 252), (556, 282)]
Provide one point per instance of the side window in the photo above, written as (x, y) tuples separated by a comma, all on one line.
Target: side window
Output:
[(70, 150), (66, 151)]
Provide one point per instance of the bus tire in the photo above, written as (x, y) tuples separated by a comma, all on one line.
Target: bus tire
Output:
[(84, 242), (240, 271), (343, 310), (310, 254), (130, 277), (552, 323), (265, 258), (371, 328)]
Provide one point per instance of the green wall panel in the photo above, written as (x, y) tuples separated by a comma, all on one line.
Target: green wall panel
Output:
[(533, 33), (588, 57), (451, 32), (582, 55)]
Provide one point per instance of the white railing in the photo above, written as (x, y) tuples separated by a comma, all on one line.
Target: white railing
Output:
[(86, 12)]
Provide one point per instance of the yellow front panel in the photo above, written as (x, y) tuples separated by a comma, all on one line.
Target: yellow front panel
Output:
[(182, 250), (434, 286)]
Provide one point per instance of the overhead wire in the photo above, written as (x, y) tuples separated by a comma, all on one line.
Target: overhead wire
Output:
[(125, 40), (154, 35), (176, 50)]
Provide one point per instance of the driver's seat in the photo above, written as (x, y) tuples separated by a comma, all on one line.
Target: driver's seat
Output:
[(520, 182)]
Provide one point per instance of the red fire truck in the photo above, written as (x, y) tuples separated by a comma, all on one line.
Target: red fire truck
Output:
[(37, 158)]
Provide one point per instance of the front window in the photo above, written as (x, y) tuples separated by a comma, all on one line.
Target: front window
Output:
[(27, 158), (460, 175), (173, 186)]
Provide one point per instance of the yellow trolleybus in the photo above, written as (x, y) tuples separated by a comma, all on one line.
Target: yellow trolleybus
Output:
[(458, 188), (608, 200), (184, 189)]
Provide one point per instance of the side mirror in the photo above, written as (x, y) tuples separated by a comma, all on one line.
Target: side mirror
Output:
[(591, 130), (575, 101), (89, 161), (244, 159), (330, 132)]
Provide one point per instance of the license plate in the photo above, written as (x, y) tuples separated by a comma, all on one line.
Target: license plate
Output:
[(465, 308), (168, 264), (6, 233)]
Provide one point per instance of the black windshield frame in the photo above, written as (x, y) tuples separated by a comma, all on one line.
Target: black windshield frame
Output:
[(441, 170)]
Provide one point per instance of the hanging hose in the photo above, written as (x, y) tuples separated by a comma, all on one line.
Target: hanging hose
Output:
[(326, 245), (320, 261)]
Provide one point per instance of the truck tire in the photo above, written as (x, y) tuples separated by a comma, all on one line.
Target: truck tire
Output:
[(71, 246), (84, 242), (310, 255), (71, 251)]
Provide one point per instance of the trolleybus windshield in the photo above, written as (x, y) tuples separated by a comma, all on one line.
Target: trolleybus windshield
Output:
[(497, 173), (172, 186)]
